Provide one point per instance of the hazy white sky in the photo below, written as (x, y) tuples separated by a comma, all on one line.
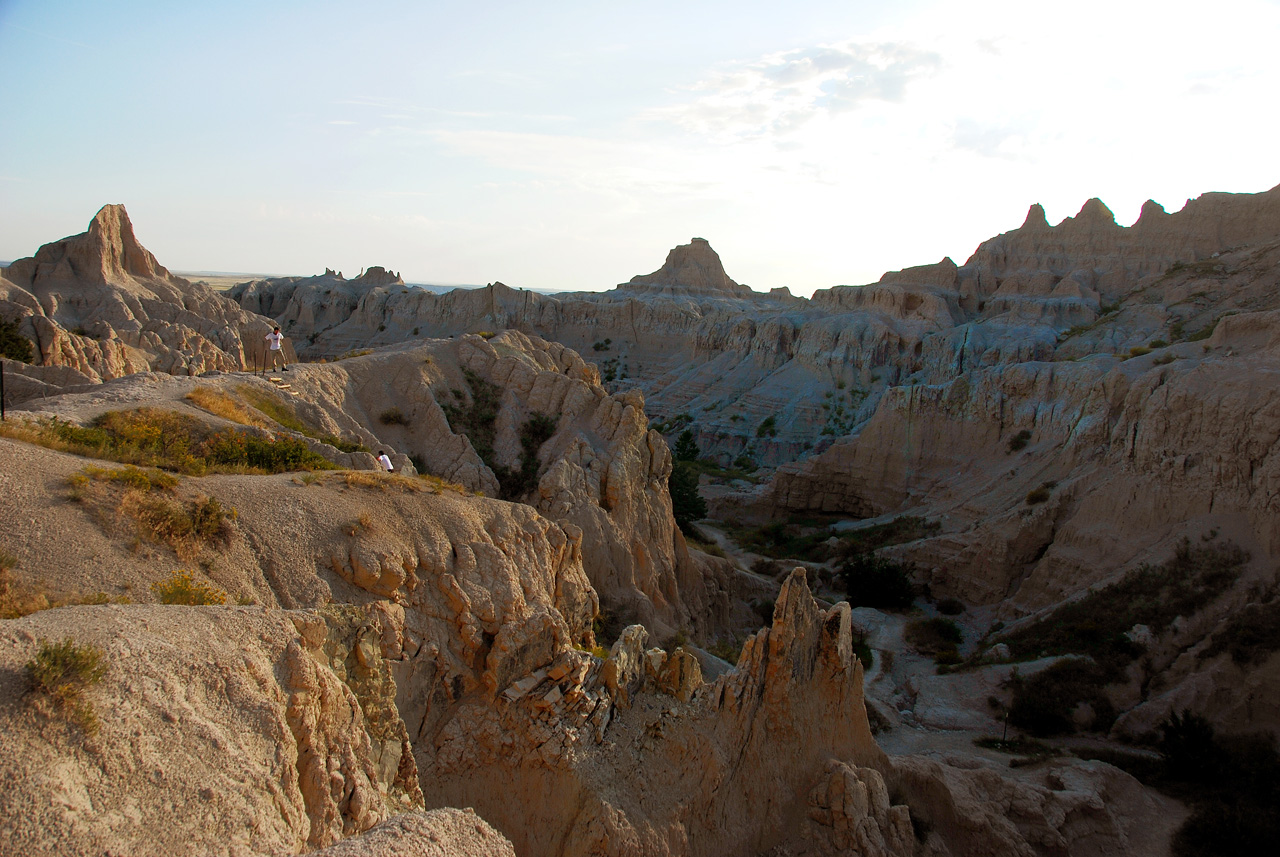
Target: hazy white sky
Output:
[(569, 145)]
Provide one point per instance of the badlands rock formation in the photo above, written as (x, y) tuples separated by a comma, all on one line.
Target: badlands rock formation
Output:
[(416, 646), (99, 305), (909, 396), (173, 767), (691, 269)]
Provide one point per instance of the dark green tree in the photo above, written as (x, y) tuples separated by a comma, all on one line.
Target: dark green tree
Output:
[(686, 503), (686, 447), (871, 581), (14, 345)]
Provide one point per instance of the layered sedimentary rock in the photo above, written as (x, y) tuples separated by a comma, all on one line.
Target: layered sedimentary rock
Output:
[(627, 769), (729, 358), (221, 730), (438, 833), (463, 647), (99, 303), (692, 268)]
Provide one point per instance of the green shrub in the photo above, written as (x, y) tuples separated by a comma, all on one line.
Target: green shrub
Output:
[(1038, 495), (727, 649), (13, 344), (185, 527), (181, 588), (1231, 782), (156, 438), (950, 607), (1043, 704), (475, 420), (1251, 635), (1019, 440), (514, 483), (1138, 351), (870, 581), (808, 538), (62, 672), (862, 650), (933, 636), (1157, 343), (239, 450), (140, 479), (393, 417), (768, 428)]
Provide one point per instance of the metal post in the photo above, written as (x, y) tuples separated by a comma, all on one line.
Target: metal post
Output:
[(1, 390)]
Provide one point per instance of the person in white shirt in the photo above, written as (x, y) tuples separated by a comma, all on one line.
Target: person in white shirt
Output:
[(274, 340), (385, 461)]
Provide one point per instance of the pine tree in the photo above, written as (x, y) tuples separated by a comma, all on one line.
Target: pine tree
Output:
[(687, 504), (686, 448)]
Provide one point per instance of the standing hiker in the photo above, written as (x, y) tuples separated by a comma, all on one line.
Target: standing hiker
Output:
[(274, 340), (385, 461)]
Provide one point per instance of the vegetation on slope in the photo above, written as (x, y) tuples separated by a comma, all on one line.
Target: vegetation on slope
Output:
[(151, 437), (1098, 628), (477, 420), (13, 344)]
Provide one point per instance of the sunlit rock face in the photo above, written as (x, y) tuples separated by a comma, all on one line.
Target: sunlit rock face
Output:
[(100, 304)]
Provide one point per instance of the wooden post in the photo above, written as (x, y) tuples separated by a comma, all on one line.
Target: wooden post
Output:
[(1, 390)]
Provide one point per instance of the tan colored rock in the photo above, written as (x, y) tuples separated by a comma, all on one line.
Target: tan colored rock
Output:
[(1070, 807), (101, 304), (221, 731), (692, 268), (438, 833), (850, 812), (680, 675)]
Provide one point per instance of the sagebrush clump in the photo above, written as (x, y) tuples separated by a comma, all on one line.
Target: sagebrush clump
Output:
[(62, 672)]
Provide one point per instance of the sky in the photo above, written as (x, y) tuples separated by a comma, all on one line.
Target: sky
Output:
[(570, 145)]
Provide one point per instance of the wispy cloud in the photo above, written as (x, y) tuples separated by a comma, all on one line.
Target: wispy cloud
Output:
[(780, 92)]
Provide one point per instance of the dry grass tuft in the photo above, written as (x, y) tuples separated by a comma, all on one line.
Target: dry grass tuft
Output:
[(186, 527), (19, 599), (182, 588), (382, 481), (221, 404)]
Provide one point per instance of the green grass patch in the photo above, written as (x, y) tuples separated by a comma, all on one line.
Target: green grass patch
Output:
[(715, 471), (1015, 746), (706, 547), (933, 636), (283, 413)]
